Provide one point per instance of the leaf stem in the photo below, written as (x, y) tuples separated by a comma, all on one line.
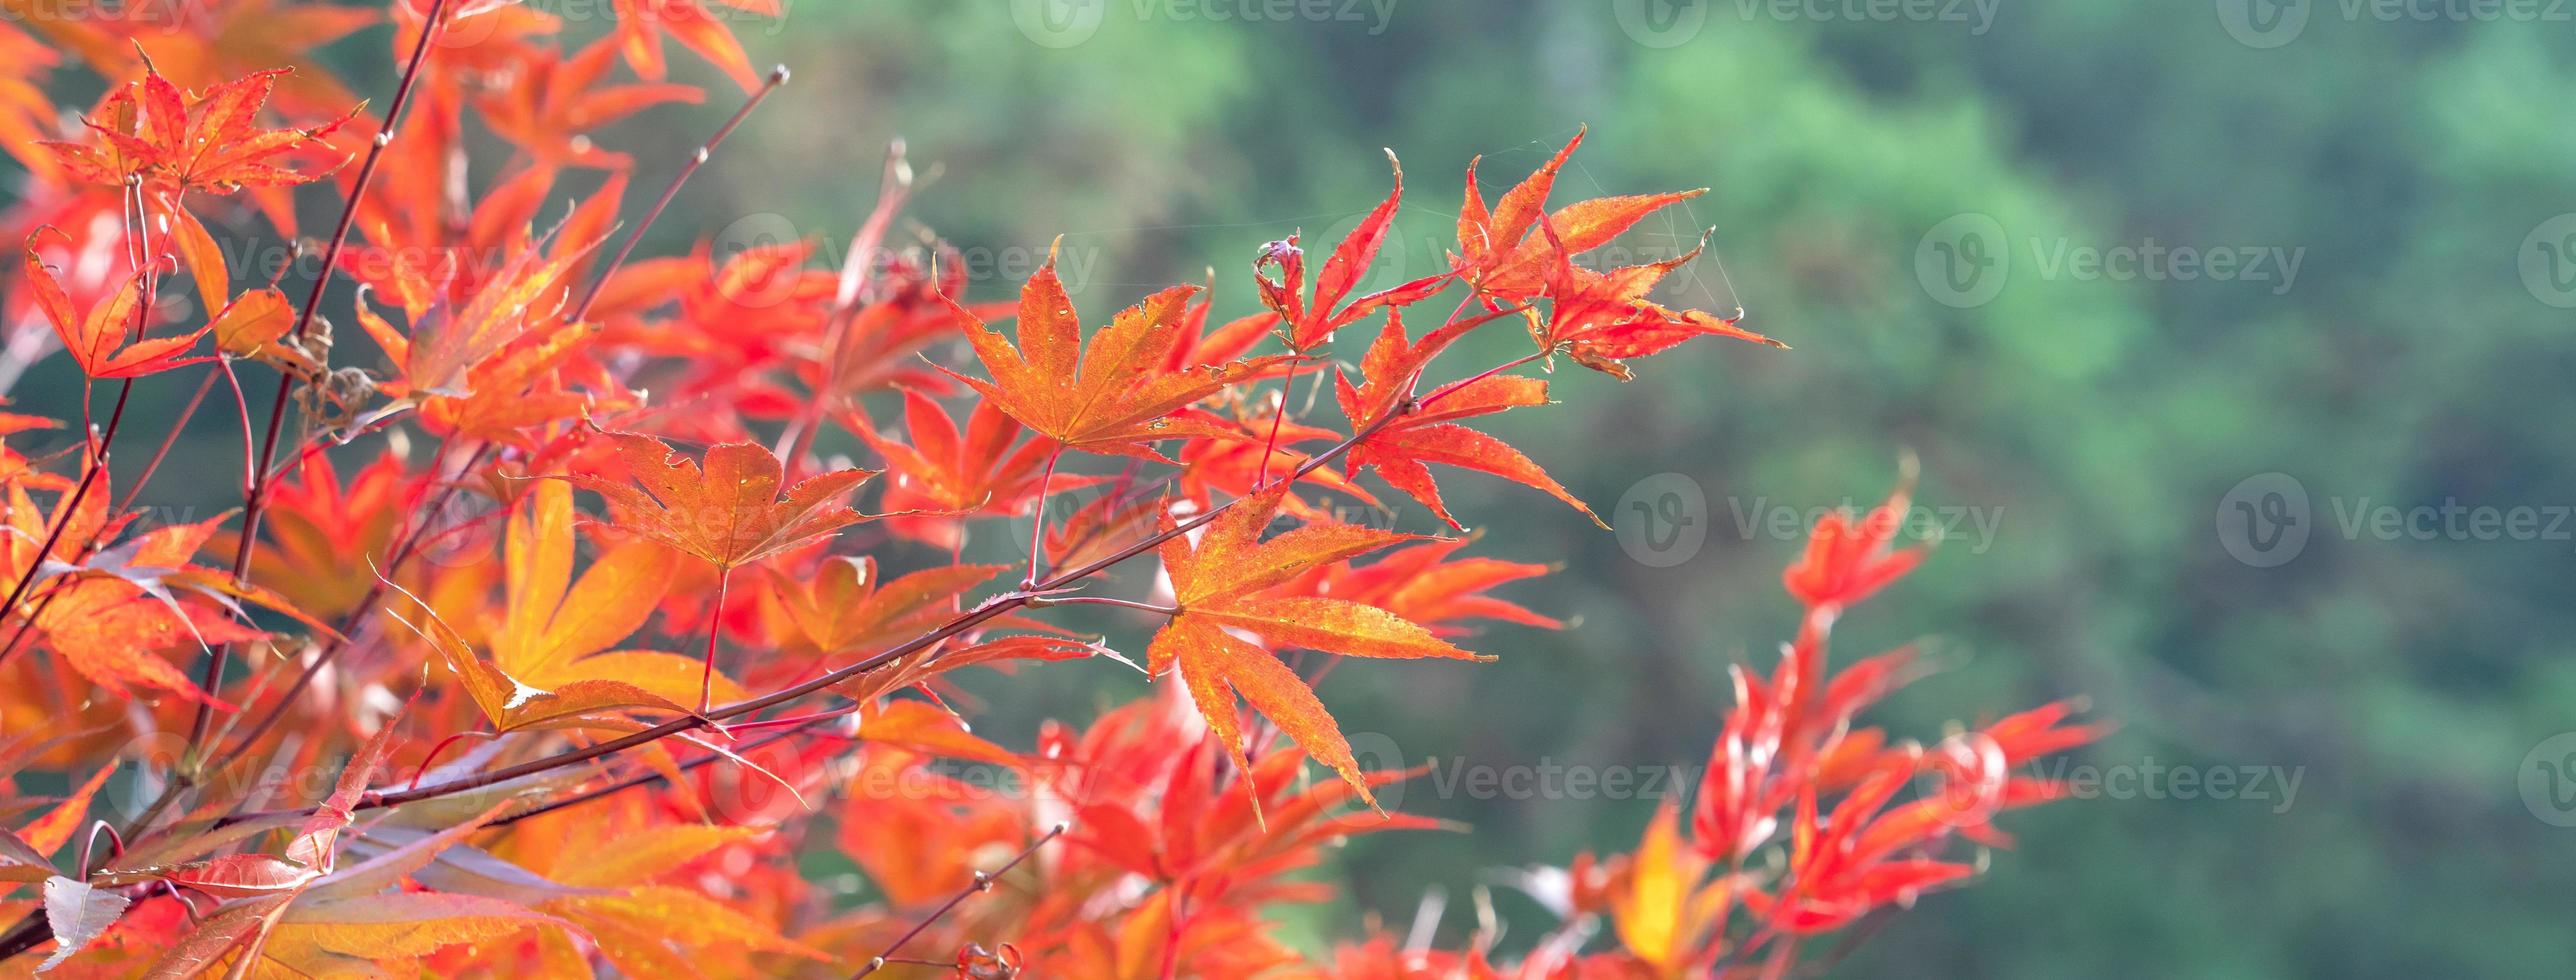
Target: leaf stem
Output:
[(1286, 385), (1037, 521), (715, 628)]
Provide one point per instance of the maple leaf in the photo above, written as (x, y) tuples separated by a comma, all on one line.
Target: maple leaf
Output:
[(728, 512), (109, 614), (629, 887), (447, 344), (322, 537), (53, 830), (558, 630), (549, 112), (1849, 557), (738, 310), (1601, 319), (1140, 808), (1239, 464), (310, 854), (1664, 914), (78, 913), (1312, 321), (1500, 249), (1428, 584), (1218, 586), (1112, 398), (953, 475), (641, 23), (417, 252), (511, 705), (98, 341), (211, 142), (1399, 449), (1841, 867), (26, 115), (238, 38), (842, 606)]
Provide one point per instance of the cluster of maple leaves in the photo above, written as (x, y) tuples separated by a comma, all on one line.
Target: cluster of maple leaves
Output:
[(555, 745)]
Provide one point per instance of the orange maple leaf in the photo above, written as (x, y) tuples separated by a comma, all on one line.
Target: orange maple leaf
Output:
[(1310, 323), (953, 475), (641, 23), (727, 511), (1500, 250), (98, 340), (175, 143), (558, 628), (550, 112), (844, 606), (1113, 398), (1398, 449), (1601, 319), (1219, 586)]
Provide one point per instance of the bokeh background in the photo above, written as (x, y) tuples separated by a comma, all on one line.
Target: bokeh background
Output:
[(2179, 304)]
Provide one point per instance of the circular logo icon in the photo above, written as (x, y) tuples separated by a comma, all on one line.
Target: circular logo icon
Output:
[(1058, 23), (1663, 520), (2548, 780), (1957, 788), (784, 784), (750, 286), (1963, 261), (1661, 23), (2548, 262), (1377, 753), (2263, 24), (465, 25), (460, 530), (1385, 272), (152, 756), (2263, 521)]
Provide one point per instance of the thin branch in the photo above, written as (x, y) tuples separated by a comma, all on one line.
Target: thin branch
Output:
[(402, 555), (257, 498), (1042, 602), (983, 882), (777, 77)]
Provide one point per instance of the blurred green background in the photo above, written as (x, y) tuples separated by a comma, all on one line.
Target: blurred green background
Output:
[(2372, 199), (2381, 188)]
